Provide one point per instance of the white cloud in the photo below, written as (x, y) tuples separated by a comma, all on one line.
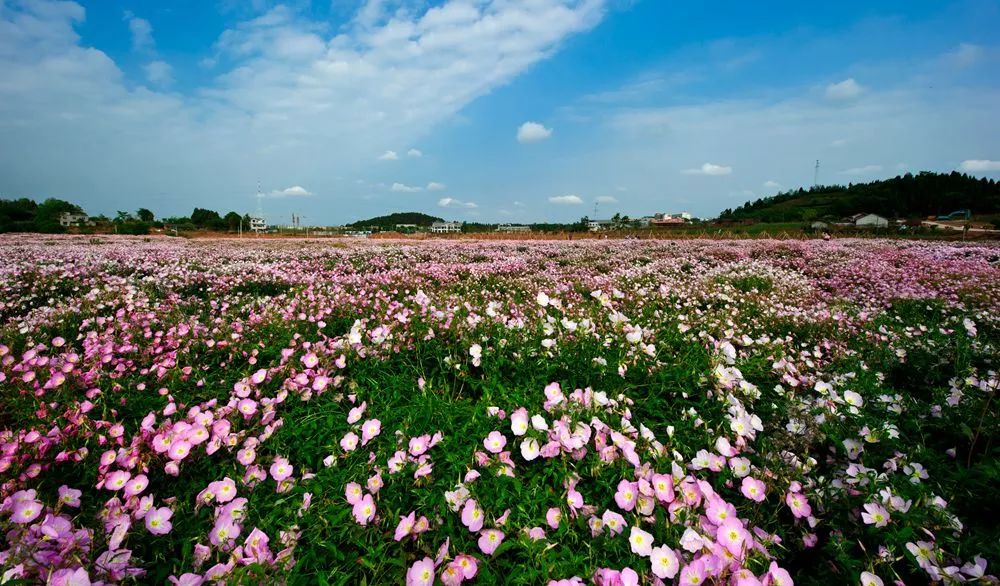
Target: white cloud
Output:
[(605, 199), (566, 200), (141, 30), (865, 170), (401, 188), (389, 156), (979, 166), (435, 186), (415, 153), (532, 132), (966, 55), (450, 202), (159, 73), (293, 191), (843, 91), (709, 169), (519, 204), (288, 96), (771, 184), (837, 143)]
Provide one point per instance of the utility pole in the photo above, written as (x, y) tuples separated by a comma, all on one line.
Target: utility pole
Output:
[(816, 175)]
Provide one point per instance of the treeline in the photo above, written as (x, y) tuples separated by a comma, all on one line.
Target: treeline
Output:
[(905, 196), (389, 222), (26, 215)]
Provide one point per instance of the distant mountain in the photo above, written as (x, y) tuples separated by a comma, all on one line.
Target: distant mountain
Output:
[(906, 196), (389, 222)]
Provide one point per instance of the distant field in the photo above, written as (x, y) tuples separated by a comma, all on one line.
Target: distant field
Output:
[(342, 411)]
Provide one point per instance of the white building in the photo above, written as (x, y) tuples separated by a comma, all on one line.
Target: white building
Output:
[(870, 221), (258, 224), (597, 225), (446, 227), (513, 228), (67, 219)]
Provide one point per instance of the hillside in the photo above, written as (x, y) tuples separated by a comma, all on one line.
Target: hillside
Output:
[(906, 196), (390, 221)]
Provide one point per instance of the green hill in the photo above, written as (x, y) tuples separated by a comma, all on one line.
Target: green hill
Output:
[(389, 222), (905, 196)]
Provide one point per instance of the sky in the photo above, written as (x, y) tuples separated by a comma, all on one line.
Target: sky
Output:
[(486, 110)]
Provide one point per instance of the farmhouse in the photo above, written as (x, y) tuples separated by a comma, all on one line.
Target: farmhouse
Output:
[(868, 221), (67, 219), (513, 228), (446, 227), (597, 225)]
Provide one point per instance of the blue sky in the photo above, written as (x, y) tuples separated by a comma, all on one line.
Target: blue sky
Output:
[(485, 110)]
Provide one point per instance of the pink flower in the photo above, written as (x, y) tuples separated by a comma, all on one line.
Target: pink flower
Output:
[(354, 415), (26, 511), (626, 495), (641, 542), (247, 407), (310, 360), (468, 564), (158, 521), (452, 575), (405, 526), (421, 573), (353, 492), (665, 563), (875, 514), (117, 480), (519, 422), (136, 485), (472, 516), (70, 577), (753, 489), (418, 445), (369, 430), (69, 496), (281, 469), (798, 504), (777, 576), (490, 540), (553, 516), (733, 536), (614, 522), (663, 487), (349, 442), (179, 450), (246, 456), (495, 442), (364, 510)]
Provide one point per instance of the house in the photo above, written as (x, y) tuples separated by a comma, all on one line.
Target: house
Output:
[(258, 224), (597, 225), (513, 228), (869, 221), (446, 227), (669, 219), (67, 219)]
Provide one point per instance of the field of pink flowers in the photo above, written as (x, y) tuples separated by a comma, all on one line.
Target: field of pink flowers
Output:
[(606, 412)]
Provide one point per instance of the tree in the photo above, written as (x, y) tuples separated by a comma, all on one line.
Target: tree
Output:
[(123, 217), (233, 221), (145, 215), (47, 215)]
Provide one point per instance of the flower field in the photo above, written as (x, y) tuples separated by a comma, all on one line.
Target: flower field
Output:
[(606, 412)]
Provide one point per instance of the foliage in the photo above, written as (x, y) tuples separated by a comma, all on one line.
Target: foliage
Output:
[(389, 222), (261, 412), (906, 196)]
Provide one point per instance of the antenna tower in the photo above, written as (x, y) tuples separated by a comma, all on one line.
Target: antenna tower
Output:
[(816, 175)]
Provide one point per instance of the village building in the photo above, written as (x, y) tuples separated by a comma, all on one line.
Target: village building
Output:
[(446, 227)]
